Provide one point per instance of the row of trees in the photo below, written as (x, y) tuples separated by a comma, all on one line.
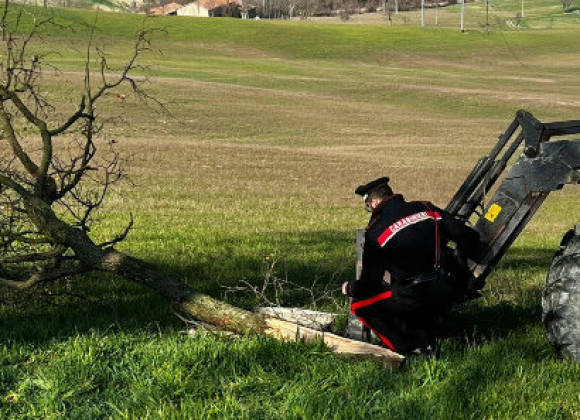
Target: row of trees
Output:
[(271, 9), (308, 8)]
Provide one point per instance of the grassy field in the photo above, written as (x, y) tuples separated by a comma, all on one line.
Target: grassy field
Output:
[(271, 127)]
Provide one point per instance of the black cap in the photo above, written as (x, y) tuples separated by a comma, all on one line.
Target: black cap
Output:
[(362, 190)]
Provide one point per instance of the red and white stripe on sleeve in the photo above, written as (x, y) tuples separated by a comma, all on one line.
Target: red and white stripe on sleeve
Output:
[(390, 232)]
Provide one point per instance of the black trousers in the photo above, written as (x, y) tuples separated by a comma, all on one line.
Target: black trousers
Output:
[(407, 317)]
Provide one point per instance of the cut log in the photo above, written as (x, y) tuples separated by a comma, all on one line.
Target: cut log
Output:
[(288, 331), (307, 318)]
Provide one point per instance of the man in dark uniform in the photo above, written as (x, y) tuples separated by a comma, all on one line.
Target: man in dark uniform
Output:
[(410, 241)]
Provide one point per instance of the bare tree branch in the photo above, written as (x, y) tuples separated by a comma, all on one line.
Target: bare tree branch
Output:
[(119, 238), (26, 112), (10, 183), (19, 152), (42, 277), (80, 113), (38, 256)]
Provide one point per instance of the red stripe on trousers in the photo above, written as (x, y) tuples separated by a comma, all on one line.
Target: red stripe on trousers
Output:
[(382, 337), (370, 301)]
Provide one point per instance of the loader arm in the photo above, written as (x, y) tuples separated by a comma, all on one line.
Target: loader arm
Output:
[(543, 167)]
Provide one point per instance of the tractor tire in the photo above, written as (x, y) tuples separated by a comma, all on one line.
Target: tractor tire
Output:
[(561, 297)]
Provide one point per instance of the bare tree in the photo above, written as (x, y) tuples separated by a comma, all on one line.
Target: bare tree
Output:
[(54, 181)]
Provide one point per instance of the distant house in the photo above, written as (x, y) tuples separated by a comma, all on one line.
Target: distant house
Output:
[(215, 8), (168, 9)]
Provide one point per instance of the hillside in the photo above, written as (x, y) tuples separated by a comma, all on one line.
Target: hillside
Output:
[(498, 14)]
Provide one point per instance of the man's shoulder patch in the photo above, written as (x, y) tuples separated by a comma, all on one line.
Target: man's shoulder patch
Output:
[(391, 231)]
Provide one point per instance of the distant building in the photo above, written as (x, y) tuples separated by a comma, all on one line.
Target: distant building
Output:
[(168, 9), (212, 8)]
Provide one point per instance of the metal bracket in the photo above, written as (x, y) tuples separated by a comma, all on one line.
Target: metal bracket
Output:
[(533, 132)]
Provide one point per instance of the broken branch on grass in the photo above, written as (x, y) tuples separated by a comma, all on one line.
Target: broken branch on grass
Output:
[(44, 276)]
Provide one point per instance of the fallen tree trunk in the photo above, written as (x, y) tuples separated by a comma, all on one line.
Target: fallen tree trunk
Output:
[(305, 317), (212, 311), (186, 300)]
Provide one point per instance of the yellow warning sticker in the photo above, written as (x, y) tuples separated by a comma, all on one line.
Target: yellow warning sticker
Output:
[(493, 212)]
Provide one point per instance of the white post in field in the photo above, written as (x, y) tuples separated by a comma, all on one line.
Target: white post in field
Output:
[(462, 15)]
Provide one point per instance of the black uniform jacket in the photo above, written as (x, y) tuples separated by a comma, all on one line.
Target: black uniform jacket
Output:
[(400, 238)]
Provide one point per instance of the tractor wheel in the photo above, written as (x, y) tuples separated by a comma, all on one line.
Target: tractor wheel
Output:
[(561, 297)]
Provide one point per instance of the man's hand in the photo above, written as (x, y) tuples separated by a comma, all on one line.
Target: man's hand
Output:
[(345, 288)]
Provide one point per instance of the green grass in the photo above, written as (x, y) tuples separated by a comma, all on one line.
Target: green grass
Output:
[(297, 40), (273, 125)]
